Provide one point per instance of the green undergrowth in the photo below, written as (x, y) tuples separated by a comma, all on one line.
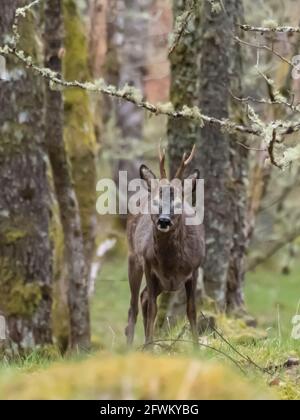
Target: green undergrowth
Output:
[(259, 362)]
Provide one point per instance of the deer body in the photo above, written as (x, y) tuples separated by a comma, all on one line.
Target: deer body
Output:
[(169, 252)]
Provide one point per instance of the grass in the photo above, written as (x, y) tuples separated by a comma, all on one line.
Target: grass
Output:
[(272, 298)]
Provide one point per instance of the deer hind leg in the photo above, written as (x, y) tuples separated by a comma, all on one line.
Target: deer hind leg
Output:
[(144, 305), (135, 275), (191, 309)]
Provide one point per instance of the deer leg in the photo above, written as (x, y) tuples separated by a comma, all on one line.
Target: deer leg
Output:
[(144, 305), (190, 288), (135, 275), (153, 291)]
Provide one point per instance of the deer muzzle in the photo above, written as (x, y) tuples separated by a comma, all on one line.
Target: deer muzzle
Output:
[(164, 223)]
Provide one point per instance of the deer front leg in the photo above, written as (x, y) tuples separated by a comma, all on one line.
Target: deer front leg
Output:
[(153, 291), (190, 288), (135, 275)]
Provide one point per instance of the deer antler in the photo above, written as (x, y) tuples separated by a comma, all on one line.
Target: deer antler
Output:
[(184, 163), (162, 158)]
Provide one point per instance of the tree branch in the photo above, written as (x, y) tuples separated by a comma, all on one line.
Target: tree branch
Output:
[(265, 30), (134, 96)]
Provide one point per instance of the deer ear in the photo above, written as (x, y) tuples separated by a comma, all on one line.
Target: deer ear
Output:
[(147, 175), (194, 176)]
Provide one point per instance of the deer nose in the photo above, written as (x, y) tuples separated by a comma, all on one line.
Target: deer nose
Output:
[(164, 221)]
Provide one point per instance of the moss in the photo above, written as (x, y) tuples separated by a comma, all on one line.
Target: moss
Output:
[(13, 235), (17, 297), (238, 331), (60, 314), (121, 377)]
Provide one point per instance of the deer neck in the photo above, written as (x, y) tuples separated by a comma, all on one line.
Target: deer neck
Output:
[(168, 243)]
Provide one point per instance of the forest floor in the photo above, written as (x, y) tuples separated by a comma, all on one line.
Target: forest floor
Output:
[(175, 370)]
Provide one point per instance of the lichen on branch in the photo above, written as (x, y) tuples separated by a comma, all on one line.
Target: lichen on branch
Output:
[(133, 95)]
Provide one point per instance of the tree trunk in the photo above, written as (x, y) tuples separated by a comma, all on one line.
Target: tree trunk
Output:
[(240, 174), (97, 50), (79, 132), (66, 196), (25, 249), (130, 37), (223, 163), (8, 9), (98, 35), (182, 133)]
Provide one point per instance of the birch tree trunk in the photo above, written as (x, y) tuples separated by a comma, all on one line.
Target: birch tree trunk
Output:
[(66, 196), (25, 250)]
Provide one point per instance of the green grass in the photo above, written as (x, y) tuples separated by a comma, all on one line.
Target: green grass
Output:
[(271, 297), (110, 306), (274, 298)]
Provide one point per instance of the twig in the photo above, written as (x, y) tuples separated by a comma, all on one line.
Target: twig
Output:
[(264, 47), (264, 101), (251, 148), (271, 150), (180, 28), (236, 362), (220, 335), (263, 30)]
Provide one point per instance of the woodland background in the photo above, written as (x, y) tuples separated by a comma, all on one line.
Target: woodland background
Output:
[(63, 268)]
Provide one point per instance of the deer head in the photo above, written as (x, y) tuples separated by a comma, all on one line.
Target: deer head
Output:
[(166, 196)]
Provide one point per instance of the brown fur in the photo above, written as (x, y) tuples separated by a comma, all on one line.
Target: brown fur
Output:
[(169, 260)]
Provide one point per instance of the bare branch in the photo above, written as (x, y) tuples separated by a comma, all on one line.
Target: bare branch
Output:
[(265, 30), (130, 94), (265, 47)]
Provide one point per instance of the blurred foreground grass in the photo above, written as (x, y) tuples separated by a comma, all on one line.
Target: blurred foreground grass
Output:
[(174, 370)]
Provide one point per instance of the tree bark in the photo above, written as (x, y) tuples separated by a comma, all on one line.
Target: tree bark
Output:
[(66, 196), (130, 37), (25, 249), (240, 175), (79, 130), (182, 134), (223, 163)]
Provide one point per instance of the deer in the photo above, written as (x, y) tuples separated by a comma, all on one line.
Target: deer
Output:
[(164, 248)]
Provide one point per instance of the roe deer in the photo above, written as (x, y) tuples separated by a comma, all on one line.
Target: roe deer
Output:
[(163, 247)]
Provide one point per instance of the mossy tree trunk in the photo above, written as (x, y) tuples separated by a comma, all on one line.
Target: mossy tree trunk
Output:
[(25, 249), (183, 134), (223, 163), (79, 127), (63, 182)]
